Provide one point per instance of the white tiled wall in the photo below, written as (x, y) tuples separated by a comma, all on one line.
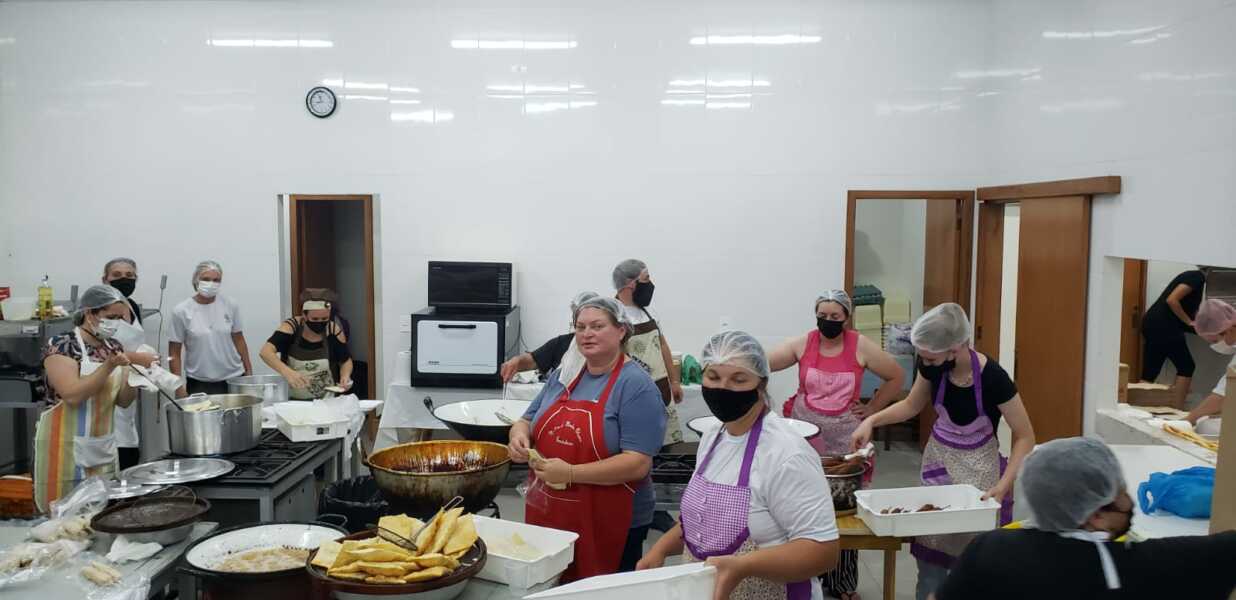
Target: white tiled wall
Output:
[(715, 139)]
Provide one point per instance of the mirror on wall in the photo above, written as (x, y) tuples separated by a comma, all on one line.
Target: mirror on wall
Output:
[(1157, 342)]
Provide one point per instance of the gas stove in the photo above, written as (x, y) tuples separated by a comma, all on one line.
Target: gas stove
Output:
[(670, 475), (266, 463)]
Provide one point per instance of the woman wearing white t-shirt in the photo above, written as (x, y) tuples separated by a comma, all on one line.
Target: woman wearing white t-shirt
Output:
[(754, 507), (208, 327)]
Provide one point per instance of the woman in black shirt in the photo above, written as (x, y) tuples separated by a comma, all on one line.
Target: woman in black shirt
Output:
[(970, 393), (1164, 328)]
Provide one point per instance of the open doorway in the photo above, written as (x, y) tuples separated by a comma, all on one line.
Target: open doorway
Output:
[(1031, 288), (1151, 358), (330, 241), (906, 251)]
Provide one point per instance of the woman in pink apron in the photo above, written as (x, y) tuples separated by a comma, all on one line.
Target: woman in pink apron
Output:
[(752, 508), (970, 393), (831, 361)]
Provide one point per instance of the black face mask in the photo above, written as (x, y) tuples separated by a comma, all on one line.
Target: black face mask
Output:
[(126, 285), (935, 372), (829, 329), (642, 296), (729, 405), (316, 326)]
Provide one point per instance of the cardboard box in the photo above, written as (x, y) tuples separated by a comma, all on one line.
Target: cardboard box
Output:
[(1150, 394)]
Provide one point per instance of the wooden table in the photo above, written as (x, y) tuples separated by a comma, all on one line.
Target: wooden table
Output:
[(856, 536)]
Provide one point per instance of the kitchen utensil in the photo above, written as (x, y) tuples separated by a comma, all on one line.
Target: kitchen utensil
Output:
[(410, 544), (177, 470), (205, 554), (234, 427), (164, 518), (844, 485), (125, 489), (505, 419), (420, 477), (478, 419), (443, 588), (157, 388), (965, 511), (272, 389), (557, 548)]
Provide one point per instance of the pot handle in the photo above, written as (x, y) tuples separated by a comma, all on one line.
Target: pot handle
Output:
[(327, 518), (429, 406)]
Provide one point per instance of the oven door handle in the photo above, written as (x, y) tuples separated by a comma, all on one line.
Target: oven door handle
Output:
[(460, 326)]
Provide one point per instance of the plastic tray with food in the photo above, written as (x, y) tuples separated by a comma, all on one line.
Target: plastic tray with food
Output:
[(523, 556), (927, 510)]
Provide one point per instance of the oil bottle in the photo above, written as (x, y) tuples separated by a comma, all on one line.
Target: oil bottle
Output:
[(44, 310)]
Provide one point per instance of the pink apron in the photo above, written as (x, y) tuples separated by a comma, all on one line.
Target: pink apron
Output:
[(828, 386), (714, 522)]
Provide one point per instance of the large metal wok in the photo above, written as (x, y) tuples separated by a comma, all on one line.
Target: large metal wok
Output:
[(480, 420), (418, 478)]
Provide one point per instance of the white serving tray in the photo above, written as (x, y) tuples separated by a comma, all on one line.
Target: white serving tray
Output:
[(558, 546), (965, 512), (693, 580)]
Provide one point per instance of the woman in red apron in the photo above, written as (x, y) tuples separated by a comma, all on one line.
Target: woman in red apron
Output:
[(596, 437), (970, 393), (753, 507), (831, 362)]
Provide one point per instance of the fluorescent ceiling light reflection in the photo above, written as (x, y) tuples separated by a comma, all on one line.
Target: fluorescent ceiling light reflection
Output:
[(1098, 34), (1093, 105), (7, 41), (738, 83), (726, 96), (406, 90), (682, 102), (332, 82), (996, 73), (511, 45), (269, 43), (405, 101), (1151, 39), (423, 116), (986, 94), (724, 105), (364, 97), (754, 40), (360, 85), (1166, 76), (533, 108)]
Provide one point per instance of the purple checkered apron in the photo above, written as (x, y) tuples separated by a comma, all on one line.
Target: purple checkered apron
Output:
[(714, 520), (958, 454)]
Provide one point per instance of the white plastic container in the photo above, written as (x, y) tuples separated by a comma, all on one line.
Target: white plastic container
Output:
[(304, 422), (558, 547), (965, 513), (681, 582)]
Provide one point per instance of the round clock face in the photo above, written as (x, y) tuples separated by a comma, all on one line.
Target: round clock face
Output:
[(321, 102)]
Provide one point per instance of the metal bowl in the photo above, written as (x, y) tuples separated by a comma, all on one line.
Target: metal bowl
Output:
[(842, 487), (418, 478)]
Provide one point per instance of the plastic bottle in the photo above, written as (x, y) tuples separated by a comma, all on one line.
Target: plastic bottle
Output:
[(44, 310)]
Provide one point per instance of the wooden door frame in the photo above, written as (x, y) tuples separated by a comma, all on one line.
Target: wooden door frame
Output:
[(294, 201), (989, 246), (1128, 313), (990, 273), (965, 249)]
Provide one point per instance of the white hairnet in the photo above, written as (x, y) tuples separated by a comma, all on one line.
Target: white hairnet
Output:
[(1214, 317), (202, 267), (736, 349), (94, 298), (838, 296), (1067, 480), (626, 271), (119, 260), (580, 298), (941, 329), (610, 305)]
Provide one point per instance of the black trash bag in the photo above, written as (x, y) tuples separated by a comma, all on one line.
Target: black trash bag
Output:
[(358, 499)]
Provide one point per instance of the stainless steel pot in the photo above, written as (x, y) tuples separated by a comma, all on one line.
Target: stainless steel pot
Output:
[(234, 427), (271, 389)]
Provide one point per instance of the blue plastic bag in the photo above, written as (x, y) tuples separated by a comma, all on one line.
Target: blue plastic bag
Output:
[(1186, 492)]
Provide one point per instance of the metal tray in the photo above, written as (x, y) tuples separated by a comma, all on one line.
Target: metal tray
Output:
[(177, 470), (125, 488)]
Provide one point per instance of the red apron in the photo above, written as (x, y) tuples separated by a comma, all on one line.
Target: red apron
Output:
[(574, 431)]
